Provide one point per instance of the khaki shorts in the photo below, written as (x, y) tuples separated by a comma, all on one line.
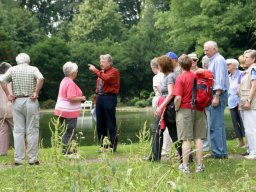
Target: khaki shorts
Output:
[(190, 124)]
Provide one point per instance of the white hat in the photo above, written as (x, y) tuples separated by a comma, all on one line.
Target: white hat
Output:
[(193, 56)]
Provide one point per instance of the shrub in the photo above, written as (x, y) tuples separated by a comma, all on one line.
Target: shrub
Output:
[(141, 103), (48, 104), (144, 94), (134, 100)]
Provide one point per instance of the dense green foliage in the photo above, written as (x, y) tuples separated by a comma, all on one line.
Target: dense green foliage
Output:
[(133, 32)]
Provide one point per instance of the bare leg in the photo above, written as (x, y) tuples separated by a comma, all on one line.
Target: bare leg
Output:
[(199, 151), (186, 147)]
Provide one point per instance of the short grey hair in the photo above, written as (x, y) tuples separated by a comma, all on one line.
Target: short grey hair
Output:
[(233, 62), (154, 63), (205, 61), (252, 53), (107, 57), (23, 58), (4, 67), (69, 67), (212, 44)]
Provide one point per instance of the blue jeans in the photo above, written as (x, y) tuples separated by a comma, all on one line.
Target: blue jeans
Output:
[(217, 127)]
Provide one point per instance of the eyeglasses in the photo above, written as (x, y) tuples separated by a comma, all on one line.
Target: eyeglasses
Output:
[(195, 60)]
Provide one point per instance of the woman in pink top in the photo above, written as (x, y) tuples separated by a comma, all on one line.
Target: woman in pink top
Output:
[(6, 121), (68, 104)]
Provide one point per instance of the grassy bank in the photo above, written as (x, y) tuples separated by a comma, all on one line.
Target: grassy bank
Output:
[(125, 171)]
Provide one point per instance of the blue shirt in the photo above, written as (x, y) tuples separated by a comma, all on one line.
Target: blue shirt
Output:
[(219, 69), (253, 74), (233, 98)]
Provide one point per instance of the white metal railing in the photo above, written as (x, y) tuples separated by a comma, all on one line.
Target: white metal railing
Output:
[(86, 104)]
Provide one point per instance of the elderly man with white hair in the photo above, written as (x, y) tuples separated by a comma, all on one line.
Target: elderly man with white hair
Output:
[(68, 104), (218, 67), (107, 88), (233, 99), (27, 81)]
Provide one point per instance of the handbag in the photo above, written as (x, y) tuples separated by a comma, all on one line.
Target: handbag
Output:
[(170, 113)]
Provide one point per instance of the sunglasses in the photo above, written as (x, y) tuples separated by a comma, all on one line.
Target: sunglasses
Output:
[(195, 60)]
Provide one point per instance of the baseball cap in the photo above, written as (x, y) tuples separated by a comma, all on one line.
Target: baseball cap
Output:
[(172, 55)]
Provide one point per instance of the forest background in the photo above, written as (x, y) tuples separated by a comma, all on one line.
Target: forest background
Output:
[(53, 32)]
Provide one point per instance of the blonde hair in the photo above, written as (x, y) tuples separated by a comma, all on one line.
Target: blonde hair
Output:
[(154, 63)]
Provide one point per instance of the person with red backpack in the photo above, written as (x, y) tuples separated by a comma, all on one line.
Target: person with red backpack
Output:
[(190, 119)]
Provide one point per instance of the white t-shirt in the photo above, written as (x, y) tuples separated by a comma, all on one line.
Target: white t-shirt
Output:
[(157, 80)]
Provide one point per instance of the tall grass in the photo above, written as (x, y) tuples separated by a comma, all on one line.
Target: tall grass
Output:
[(124, 170)]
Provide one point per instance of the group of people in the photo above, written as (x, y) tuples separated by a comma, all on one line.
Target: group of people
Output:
[(173, 87), (175, 116), (19, 111)]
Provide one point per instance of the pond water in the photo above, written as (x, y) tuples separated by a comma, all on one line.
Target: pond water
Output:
[(129, 124)]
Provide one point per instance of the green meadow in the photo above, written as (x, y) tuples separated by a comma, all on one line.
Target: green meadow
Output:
[(125, 170)]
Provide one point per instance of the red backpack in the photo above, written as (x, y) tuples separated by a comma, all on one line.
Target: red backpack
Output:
[(202, 89)]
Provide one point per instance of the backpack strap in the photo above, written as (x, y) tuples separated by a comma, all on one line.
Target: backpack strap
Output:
[(193, 100)]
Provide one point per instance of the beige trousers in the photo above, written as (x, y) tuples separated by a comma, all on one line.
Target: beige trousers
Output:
[(6, 125), (26, 126)]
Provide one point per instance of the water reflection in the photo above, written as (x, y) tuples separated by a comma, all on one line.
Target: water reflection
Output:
[(128, 123), (85, 122)]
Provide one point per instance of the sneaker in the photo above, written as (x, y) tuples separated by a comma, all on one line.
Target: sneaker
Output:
[(35, 163), (207, 155), (245, 154), (250, 157), (184, 169), (17, 164), (200, 168), (72, 156)]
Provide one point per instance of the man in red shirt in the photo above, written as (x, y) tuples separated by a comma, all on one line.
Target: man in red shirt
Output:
[(190, 121), (107, 88)]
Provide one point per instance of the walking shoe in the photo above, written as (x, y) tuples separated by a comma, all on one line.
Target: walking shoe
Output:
[(207, 155), (17, 164), (72, 156), (35, 163), (200, 168), (250, 157), (245, 154), (184, 169)]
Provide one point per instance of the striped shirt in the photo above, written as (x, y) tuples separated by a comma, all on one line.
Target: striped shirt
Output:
[(23, 77)]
